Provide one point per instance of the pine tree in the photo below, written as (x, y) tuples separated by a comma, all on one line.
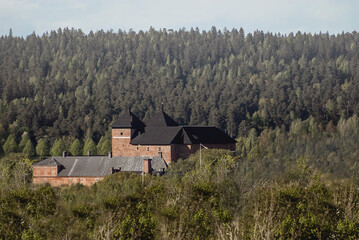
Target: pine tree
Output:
[(58, 148), (42, 148), (76, 148), (99, 145), (23, 142), (29, 149), (90, 145), (106, 147), (10, 145)]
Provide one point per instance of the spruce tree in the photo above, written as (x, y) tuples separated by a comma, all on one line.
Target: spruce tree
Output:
[(99, 145), (76, 148), (42, 148), (106, 147), (90, 145), (10, 145), (58, 148), (29, 149), (23, 142)]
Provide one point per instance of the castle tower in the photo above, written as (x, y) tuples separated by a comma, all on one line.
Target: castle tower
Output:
[(124, 129)]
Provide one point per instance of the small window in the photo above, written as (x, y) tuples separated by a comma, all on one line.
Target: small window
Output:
[(137, 148), (159, 149), (148, 149), (81, 179), (70, 179), (121, 133)]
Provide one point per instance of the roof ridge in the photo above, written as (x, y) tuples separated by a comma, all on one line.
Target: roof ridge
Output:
[(161, 119), (52, 159)]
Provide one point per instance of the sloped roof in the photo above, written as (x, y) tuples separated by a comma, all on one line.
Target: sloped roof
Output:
[(128, 120), (161, 119), (205, 135), (156, 136), (93, 166), (51, 161), (182, 135), (161, 129)]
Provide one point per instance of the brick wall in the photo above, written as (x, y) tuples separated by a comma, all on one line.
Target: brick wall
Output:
[(121, 143), (121, 147), (153, 151), (45, 170), (58, 181)]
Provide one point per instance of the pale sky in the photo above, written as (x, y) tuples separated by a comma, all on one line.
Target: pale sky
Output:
[(283, 16)]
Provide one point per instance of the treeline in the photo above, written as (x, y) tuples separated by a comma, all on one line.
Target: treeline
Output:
[(67, 144), (67, 83), (214, 201)]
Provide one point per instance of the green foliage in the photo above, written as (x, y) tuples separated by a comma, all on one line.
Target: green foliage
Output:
[(229, 79), (214, 201), (10, 146), (15, 171), (76, 148), (90, 145), (99, 145), (24, 139), (29, 149), (58, 148), (106, 147), (42, 148)]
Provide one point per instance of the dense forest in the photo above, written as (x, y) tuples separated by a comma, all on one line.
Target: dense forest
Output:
[(289, 100), (69, 84)]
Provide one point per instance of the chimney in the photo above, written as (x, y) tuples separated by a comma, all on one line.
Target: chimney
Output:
[(109, 154), (147, 168), (88, 153), (64, 154)]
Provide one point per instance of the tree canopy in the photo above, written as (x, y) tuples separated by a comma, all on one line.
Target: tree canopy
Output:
[(67, 83)]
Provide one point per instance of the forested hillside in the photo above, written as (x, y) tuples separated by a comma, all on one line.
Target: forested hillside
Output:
[(290, 101), (67, 83)]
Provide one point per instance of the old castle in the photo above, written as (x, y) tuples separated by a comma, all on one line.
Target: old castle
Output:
[(136, 147)]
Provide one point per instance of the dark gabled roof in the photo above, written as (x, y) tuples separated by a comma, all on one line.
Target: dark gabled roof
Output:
[(156, 136), (93, 166), (161, 119), (204, 135), (48, 162), (128, 120), (182, 135), (161, 129)]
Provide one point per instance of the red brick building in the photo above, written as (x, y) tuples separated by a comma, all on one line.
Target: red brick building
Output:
[(161, 140), (67, 170), (162, 136)]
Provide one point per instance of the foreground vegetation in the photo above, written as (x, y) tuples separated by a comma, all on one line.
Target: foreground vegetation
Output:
[(216, 201)]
